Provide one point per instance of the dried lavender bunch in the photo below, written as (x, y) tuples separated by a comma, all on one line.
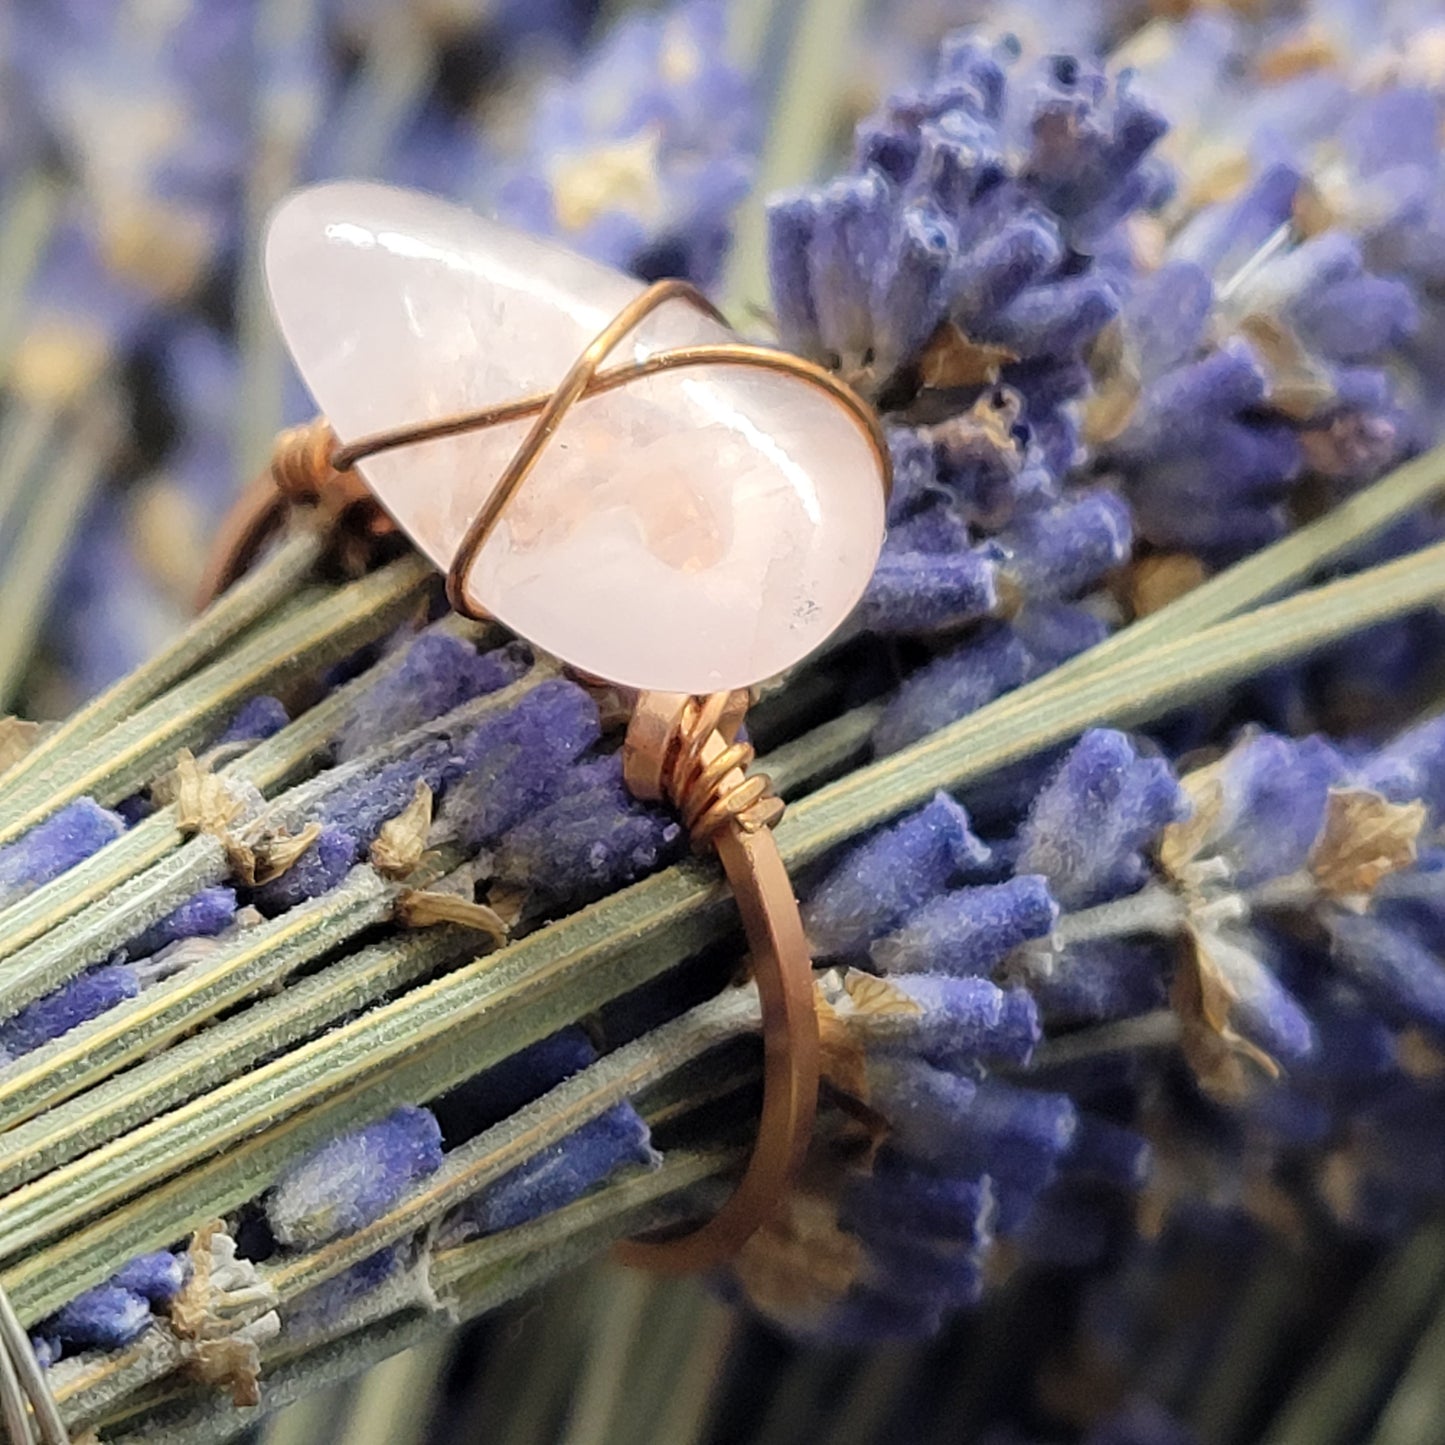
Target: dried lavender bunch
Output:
[(368, 910)]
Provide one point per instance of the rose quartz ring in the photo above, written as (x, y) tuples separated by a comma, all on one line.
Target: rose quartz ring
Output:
[(694, 531)]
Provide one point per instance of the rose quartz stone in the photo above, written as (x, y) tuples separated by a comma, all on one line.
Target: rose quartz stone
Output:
[(697, 531)]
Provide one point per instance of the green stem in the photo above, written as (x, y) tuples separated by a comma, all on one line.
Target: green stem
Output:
[(255, 959), (223, 1052), (143, 898), (262, 589), (298, 644), (32, 568), (801, 130), (348, 1076), (30, 213), (1330, 1404), (476, 1278)]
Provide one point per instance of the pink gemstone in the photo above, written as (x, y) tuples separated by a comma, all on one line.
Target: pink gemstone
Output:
[(697, 531)]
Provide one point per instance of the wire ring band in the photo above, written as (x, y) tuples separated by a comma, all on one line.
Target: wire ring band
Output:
[(678, 748), (27, 1408)]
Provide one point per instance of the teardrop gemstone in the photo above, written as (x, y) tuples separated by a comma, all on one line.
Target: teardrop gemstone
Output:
[(694, 531)]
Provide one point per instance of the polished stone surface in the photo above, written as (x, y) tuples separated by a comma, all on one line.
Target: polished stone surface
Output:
[(696, 531)]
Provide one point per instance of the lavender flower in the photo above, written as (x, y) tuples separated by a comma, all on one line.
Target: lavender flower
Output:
[(594, 838), (877, 885), (85, 997), (639, 157), (66, 838), (352, 1180), (560, 1173)]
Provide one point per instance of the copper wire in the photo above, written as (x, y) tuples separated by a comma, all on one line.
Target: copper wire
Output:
[(686, 750), (311, 465)]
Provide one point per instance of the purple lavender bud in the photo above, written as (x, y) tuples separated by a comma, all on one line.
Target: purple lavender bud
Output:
[(1359, 318), (208, 913), (65, 838), (1412, 766), (940, 1273), (353, 1179), (158, 1277), (1166, 315), (106, 1317), (1054, 318), (1087, 830), (1018, 1137), (563, 1171), (1392, 967), (1103, 1150), (1019, 1030), (969, 930), (85, 997), (1062, 551), (1108, 979), (1220, 239), (260, 718), (361, 805), (900, 1197), (935, 530), (953, 686), (500, 1091), (877, 884), (908, 303), (590, 841), (924, 1106), (514, 764), (437, 673), (1264, 1010), (922, 591), (1275, 793), (1007, 258), (322, 867), (325, 1303), (1053, 632), (959, 1019), (847, 249), (792, 219)]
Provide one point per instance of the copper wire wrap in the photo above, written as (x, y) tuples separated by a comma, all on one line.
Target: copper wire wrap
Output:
[(680, 749), (686, 750)]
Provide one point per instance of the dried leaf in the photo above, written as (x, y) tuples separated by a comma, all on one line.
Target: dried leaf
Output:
[(1364, 839), (879, 997), (399, 846), (1181, 842), (1420, 1056), (1298, 386), (1299, 54), (841, 1058), (424, 907), (205, 802), (508, 902), (1204, 1001), (801, 1261), (1158, 580), (17, 737), (1115, 394), (266, 858), (952, 360)]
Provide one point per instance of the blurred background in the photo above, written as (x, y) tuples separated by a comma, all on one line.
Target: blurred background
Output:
[(142, 143)]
